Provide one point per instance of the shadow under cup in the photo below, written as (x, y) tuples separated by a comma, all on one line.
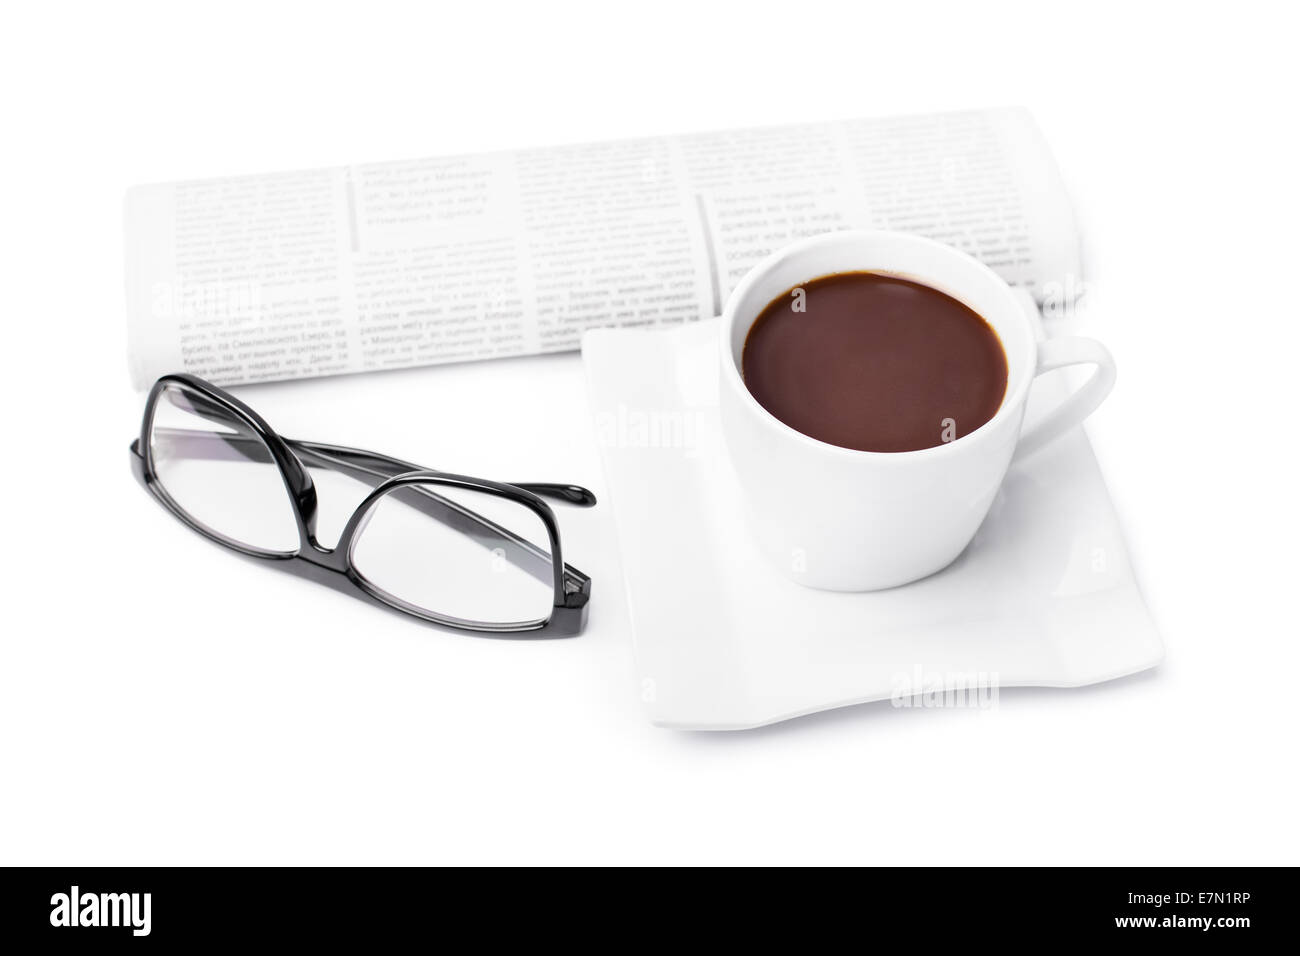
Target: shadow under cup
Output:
[(841, 519)]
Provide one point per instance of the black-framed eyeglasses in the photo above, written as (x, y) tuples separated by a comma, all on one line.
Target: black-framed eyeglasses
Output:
[(462, 552)]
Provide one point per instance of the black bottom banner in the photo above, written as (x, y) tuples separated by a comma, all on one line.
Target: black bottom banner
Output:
[(135, 907)]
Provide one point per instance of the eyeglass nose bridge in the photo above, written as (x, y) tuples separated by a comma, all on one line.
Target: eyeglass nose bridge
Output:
[(331, 559)]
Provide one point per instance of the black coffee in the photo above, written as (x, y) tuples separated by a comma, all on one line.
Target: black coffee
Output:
[(874, 362)]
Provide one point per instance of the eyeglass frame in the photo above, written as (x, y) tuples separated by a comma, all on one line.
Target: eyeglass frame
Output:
[(334, 567)]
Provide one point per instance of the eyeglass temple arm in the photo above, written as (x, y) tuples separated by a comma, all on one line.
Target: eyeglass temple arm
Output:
[(365, 466)]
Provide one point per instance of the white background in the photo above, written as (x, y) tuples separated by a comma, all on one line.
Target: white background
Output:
[(164, 702)]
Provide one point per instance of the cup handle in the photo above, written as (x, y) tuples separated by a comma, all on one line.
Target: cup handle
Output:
[(1058, 353)]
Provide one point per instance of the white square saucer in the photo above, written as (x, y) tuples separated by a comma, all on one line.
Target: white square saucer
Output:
[(1044, 595)]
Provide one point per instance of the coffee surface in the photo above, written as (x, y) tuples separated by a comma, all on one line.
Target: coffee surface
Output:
[(875, 362)]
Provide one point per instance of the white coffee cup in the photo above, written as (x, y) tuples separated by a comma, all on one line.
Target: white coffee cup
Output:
[(848, 520)]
